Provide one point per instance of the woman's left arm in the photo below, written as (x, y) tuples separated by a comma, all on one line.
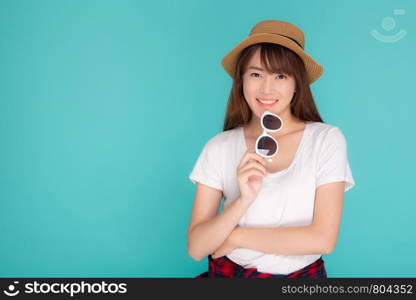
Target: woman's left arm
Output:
[(318, 238)]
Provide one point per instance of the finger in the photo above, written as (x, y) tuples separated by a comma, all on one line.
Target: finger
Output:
[(252, 156), (243, 160), (246, 158), (253, 165), (252, 172)]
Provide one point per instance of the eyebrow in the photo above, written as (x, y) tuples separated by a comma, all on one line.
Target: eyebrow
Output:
[(260, 69), (255, 68)]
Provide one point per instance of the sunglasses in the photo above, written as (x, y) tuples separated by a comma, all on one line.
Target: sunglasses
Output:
[(266, 145)]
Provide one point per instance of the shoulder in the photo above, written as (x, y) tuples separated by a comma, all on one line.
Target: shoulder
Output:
[(324, 130), (324, 133), (224, 138), (221, 143)]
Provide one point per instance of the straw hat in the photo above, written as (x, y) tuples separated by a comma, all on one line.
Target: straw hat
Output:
[(277, 32)]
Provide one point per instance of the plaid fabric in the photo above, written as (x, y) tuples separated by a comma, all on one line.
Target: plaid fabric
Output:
[(223, 267)]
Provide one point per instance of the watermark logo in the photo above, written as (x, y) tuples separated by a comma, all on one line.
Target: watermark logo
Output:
[(69, 288), (11, 289), (388, 24)]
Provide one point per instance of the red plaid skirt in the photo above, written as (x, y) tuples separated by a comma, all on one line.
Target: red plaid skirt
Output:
[(223, 267)]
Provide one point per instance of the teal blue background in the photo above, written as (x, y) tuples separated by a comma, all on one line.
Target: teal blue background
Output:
[(106, 105)]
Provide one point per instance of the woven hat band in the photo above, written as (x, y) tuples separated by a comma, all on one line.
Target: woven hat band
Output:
[(288, 37)]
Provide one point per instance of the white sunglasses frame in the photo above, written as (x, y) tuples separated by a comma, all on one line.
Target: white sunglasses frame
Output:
[(265, 130)]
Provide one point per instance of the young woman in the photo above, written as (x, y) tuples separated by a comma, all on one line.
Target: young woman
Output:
[(278, 217)]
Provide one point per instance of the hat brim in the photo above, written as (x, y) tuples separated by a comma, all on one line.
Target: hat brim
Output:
[(229, 61)]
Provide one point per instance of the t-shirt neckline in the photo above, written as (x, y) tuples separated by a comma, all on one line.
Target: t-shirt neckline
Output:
[(297, 154)]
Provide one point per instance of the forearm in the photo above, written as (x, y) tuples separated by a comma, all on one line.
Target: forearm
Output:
[(301, 240), (206, 237)]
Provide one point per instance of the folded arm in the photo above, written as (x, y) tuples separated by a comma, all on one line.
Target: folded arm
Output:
[(318, 238)]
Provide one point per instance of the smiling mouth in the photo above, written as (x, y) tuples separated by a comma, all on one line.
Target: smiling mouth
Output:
[(267, 101)]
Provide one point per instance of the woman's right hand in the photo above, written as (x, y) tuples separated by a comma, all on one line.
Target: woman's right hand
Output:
[(250, 173)]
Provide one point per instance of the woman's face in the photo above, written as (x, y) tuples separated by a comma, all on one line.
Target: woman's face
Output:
[(275, 90)]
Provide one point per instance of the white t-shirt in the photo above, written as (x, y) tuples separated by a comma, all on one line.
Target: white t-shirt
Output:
[(287, 197)]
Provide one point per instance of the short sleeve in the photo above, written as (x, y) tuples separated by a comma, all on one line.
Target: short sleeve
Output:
[(333, 164), (207, 167)]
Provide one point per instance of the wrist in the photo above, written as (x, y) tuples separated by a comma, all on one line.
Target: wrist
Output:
[(244, 203), (234, 238)]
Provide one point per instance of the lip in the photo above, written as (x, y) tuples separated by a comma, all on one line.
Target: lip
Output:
[(266, 105)]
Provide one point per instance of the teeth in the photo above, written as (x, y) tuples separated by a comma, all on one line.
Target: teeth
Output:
[(266, 101)]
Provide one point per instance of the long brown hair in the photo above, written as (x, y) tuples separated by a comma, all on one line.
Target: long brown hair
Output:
[(277, 59)]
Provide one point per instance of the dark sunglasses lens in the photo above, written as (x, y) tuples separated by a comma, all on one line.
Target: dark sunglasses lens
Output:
[(267, 146), (271, 122)]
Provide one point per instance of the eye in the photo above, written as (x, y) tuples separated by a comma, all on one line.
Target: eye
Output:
[(254, 74), (282, 76)]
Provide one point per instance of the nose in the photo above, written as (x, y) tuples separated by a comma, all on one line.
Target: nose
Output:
[(266, 86)]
